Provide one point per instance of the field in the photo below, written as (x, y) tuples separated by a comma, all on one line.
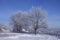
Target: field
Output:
[(19, 36)]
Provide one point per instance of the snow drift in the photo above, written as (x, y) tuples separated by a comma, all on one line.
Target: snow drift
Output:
[(17, 36)]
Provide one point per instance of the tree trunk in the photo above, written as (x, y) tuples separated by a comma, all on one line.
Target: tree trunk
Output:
[(35, 31)]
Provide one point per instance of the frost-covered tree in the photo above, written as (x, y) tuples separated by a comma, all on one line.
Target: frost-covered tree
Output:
[(36, 19), (18, 21)]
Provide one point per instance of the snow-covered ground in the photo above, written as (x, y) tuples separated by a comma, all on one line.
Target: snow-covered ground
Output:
[(19, 36)]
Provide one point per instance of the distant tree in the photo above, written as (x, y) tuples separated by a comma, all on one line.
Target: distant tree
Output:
[(2, 26)]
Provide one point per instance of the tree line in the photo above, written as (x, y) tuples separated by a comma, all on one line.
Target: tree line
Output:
[(31, 21)]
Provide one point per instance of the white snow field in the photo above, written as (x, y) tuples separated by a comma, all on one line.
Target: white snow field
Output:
[(19, 36)]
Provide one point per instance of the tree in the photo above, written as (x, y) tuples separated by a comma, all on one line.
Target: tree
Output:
[(36, 18), (18, 21), (2, 26)]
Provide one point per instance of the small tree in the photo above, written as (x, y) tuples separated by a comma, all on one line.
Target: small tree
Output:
[(2, 26)]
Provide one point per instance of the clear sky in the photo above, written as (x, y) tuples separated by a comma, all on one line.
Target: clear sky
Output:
[(8, 7)]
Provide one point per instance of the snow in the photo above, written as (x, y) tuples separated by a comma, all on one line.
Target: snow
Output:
[(24, 30), (19, 36)]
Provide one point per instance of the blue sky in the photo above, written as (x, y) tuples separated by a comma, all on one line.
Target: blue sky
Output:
[(8, 7)]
